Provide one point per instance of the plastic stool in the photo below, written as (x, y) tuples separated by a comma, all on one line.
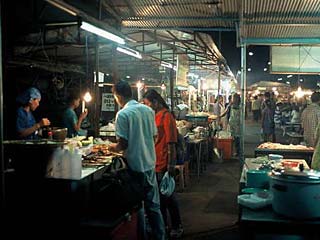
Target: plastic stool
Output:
[(183, 177)]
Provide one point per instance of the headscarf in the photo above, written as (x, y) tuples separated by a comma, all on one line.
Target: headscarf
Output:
[(28, 95)]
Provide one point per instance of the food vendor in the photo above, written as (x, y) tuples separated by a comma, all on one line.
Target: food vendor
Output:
[(26, 125), (70, 118)]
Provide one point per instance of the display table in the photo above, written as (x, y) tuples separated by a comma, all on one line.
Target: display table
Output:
[(266, 221), (287, 153), (62, 205), (198, 154)]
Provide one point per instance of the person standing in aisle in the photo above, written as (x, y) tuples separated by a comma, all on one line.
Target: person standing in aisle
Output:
[(234, 121), (70, 118), (26, 125), (136, 132), (166, 157), (267, 122), (310, 118), (256, 108)]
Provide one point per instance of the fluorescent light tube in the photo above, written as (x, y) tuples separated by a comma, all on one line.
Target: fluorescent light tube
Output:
[(103, 33), (130, 52), (167, 65)]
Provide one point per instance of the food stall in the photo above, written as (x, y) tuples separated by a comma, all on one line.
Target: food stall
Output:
[(58, 187), (288, 151)]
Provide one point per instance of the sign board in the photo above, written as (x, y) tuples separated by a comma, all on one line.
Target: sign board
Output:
[(182, 70), (295, 59), (108, 102)]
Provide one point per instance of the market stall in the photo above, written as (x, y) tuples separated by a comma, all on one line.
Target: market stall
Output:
[(259, 214), (288, 151), (61, 186)]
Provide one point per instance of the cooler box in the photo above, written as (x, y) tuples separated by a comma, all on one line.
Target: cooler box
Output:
[(225, 145)]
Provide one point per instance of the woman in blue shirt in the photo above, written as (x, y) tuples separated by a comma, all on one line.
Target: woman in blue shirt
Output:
[(26, 125)]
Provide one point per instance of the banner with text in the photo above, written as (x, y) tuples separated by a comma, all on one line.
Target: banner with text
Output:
[(182, 70), (108, 102)]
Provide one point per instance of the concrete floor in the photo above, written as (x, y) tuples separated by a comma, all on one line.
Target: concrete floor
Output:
[(209, 206)]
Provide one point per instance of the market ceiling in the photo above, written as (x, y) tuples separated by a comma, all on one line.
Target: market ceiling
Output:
[(164, 28)]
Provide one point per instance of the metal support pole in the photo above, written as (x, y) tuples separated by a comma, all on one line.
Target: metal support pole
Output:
[(243, 101), (219, 79), (2, 179), (97, 100)]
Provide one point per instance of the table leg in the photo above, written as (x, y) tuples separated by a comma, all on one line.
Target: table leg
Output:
[(199, 160)]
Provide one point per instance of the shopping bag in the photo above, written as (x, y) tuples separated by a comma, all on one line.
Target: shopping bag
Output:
[(118, 191)]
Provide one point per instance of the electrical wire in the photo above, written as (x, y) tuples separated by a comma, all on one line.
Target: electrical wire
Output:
[(308, 53)]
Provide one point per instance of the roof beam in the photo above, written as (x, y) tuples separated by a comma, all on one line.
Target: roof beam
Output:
[(112, 12), (178, 18), (180, 28), (278, 41)]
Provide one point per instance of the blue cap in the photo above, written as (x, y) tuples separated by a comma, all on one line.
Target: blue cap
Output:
[(167, 185), (29, 94)]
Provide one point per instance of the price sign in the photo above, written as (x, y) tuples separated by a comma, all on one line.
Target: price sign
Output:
[(108, 103)]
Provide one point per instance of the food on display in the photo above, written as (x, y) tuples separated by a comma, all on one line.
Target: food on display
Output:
[(100, 155), (198, 114), (103, 148), (270, 145)]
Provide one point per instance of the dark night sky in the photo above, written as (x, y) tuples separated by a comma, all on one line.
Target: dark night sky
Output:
[(257, 62)]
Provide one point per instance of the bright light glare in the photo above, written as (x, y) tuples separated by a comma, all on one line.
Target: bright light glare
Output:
[(87, 97), (102, 33), (299, 93), (130, 52), (139, 85)]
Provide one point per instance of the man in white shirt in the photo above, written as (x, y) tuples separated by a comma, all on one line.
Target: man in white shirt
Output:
[(136, 131)]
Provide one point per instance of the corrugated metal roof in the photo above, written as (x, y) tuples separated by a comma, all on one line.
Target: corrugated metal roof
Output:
[(259, 21)]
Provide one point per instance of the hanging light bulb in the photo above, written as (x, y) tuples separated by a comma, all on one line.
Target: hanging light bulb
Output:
[(86, 98)]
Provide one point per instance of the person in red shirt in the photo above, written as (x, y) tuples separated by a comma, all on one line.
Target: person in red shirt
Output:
[(165, 156)]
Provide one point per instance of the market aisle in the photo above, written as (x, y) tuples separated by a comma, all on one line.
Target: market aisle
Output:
[(210, 202), (209, 205)]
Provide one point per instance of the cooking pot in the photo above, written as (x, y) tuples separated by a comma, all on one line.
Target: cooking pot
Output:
[(296, 194), (59, 134), (257, 178)]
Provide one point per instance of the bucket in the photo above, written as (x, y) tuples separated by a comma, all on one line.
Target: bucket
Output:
[(225, 145)]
